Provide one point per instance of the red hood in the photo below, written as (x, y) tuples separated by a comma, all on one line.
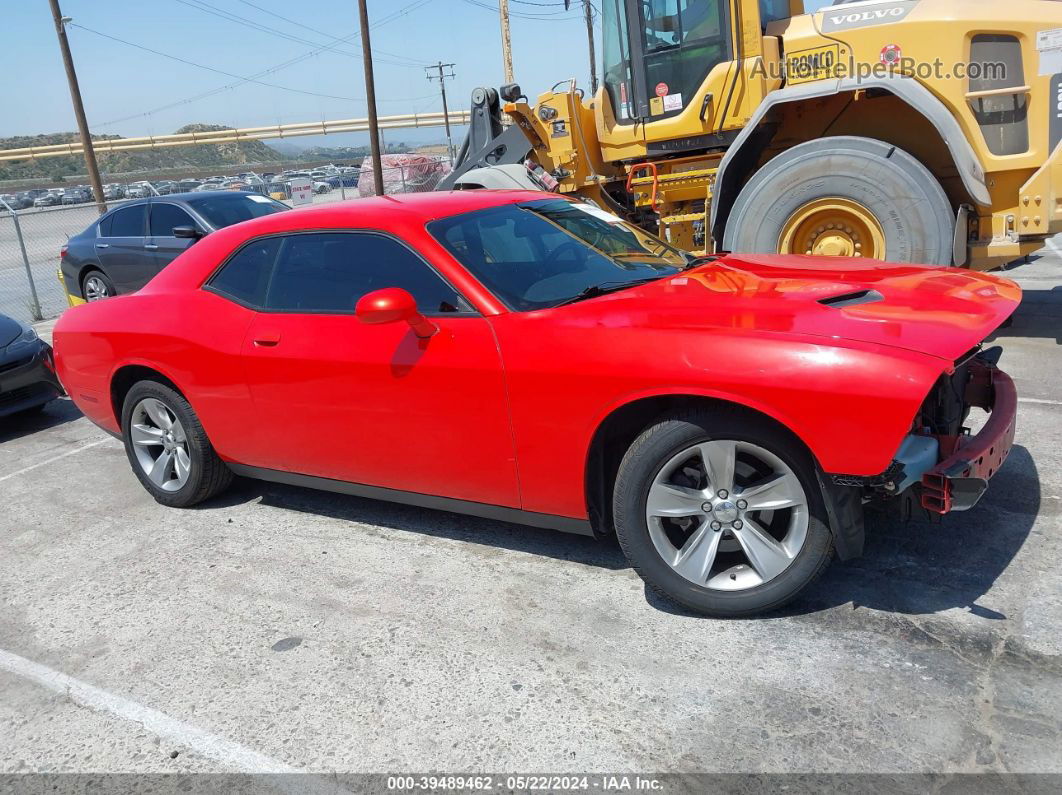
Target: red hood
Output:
[(940, 311)]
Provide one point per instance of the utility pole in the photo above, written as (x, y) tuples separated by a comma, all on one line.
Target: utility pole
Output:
[(370, 99), (79, 108), (588, 13), (507, 44), (442, 78)]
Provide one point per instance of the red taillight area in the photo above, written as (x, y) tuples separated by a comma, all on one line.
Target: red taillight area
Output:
[(62, 253)]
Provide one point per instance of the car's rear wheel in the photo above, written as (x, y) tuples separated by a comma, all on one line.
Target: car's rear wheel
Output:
[(721, 513), (168, 448), (95, 286)]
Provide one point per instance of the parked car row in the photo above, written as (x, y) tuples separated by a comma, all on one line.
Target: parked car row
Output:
[(277, 185), (47, 197)]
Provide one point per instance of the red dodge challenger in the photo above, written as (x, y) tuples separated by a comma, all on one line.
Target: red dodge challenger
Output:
[(541, 361)]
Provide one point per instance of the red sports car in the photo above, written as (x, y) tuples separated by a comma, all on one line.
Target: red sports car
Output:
[(541, 361)]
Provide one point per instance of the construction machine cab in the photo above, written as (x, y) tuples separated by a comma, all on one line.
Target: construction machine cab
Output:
[(658, 53)]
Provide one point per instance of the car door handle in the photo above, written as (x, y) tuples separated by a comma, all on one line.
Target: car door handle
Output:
[(151, 247), (267, 339), (103, 245)]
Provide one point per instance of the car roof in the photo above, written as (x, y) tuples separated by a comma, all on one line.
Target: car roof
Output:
[(192, 197), (426, 206)]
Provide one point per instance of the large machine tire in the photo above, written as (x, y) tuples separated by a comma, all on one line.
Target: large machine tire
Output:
[(844, 196)]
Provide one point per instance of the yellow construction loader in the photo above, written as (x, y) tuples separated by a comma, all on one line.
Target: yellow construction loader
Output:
[(907, 130)]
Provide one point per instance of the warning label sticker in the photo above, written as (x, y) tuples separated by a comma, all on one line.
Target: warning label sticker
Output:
[(672, 102)]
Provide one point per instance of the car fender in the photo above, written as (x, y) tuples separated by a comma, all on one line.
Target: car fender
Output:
[(843, 504), (699, 391)]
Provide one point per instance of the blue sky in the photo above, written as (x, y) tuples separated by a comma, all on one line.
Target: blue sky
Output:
[(119, 81)]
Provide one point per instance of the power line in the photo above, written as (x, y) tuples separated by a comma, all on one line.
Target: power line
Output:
[(211, 68), (329, 35), (200, 5), (272, 69), (543, 17), (226, 87)]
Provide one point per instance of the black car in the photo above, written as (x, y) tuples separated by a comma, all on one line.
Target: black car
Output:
[(27, 372), (127, 246)]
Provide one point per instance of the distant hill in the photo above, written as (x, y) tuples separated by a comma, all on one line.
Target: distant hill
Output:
[(349, 152), (195, 157)]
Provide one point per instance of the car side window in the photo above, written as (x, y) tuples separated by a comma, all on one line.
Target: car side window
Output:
[(105, 226), (128, 221), (245, 276), (328, 272), (166, 216)]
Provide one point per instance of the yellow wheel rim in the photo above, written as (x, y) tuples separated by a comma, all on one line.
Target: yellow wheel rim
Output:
[(833, 227)]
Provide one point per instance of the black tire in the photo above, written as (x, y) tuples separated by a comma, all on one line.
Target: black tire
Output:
[(208, 475), (667, 438), (103, 277), (900, 192)]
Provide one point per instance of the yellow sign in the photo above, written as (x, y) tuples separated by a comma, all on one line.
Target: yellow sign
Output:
[(656, 106), (816, 63)]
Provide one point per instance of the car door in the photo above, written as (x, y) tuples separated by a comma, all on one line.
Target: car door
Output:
[(375, 404), (121, 252), (162, 218)]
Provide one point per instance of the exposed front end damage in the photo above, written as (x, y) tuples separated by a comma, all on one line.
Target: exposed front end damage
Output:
[(941, 466), (957, 482)]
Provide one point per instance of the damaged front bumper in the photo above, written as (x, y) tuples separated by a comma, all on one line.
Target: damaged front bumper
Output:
[(957, 482)]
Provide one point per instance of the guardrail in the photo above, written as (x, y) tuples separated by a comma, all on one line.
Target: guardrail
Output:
[(403, 121)]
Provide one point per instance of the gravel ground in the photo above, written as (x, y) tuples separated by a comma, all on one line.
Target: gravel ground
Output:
[(281, 629)]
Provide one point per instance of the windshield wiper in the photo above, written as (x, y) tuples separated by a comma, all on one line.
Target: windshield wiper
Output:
[(693, 262), (594, 290)]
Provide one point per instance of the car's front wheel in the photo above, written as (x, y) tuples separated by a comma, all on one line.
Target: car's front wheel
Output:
[(721, 513), (168, 448)]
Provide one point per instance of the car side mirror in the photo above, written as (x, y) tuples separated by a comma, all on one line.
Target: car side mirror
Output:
[(391, 305), (187, 232)]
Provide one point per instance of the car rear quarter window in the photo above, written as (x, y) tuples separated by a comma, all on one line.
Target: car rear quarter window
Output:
[(328, 272), (166, 216), (104, 225), (128, 221), (245, 276)]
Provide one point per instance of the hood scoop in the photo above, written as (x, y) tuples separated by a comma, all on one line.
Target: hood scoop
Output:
[(852, 299)]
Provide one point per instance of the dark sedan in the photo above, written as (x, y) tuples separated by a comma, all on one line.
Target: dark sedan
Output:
[(127, 246), (27, 372)]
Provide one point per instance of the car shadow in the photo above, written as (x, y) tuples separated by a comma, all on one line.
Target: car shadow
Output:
[(58, 412), (438, 524), (921, 567), (1040, 313), (914, 567)]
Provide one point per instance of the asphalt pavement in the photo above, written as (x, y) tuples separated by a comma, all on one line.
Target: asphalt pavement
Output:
[(282, 629)]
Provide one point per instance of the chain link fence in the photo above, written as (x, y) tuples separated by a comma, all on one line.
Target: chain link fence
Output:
[(31, 238)]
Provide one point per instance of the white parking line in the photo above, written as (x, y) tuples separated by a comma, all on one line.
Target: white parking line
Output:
[(1041, 401), (1053, 245), (31, 467), (225, 751)]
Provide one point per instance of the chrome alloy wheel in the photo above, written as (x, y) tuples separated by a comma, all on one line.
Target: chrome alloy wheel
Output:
[(160, 444), (96, 289), (727, 515)]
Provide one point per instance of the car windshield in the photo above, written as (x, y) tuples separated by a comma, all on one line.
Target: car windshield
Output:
[(542, 254), (227, 209)]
